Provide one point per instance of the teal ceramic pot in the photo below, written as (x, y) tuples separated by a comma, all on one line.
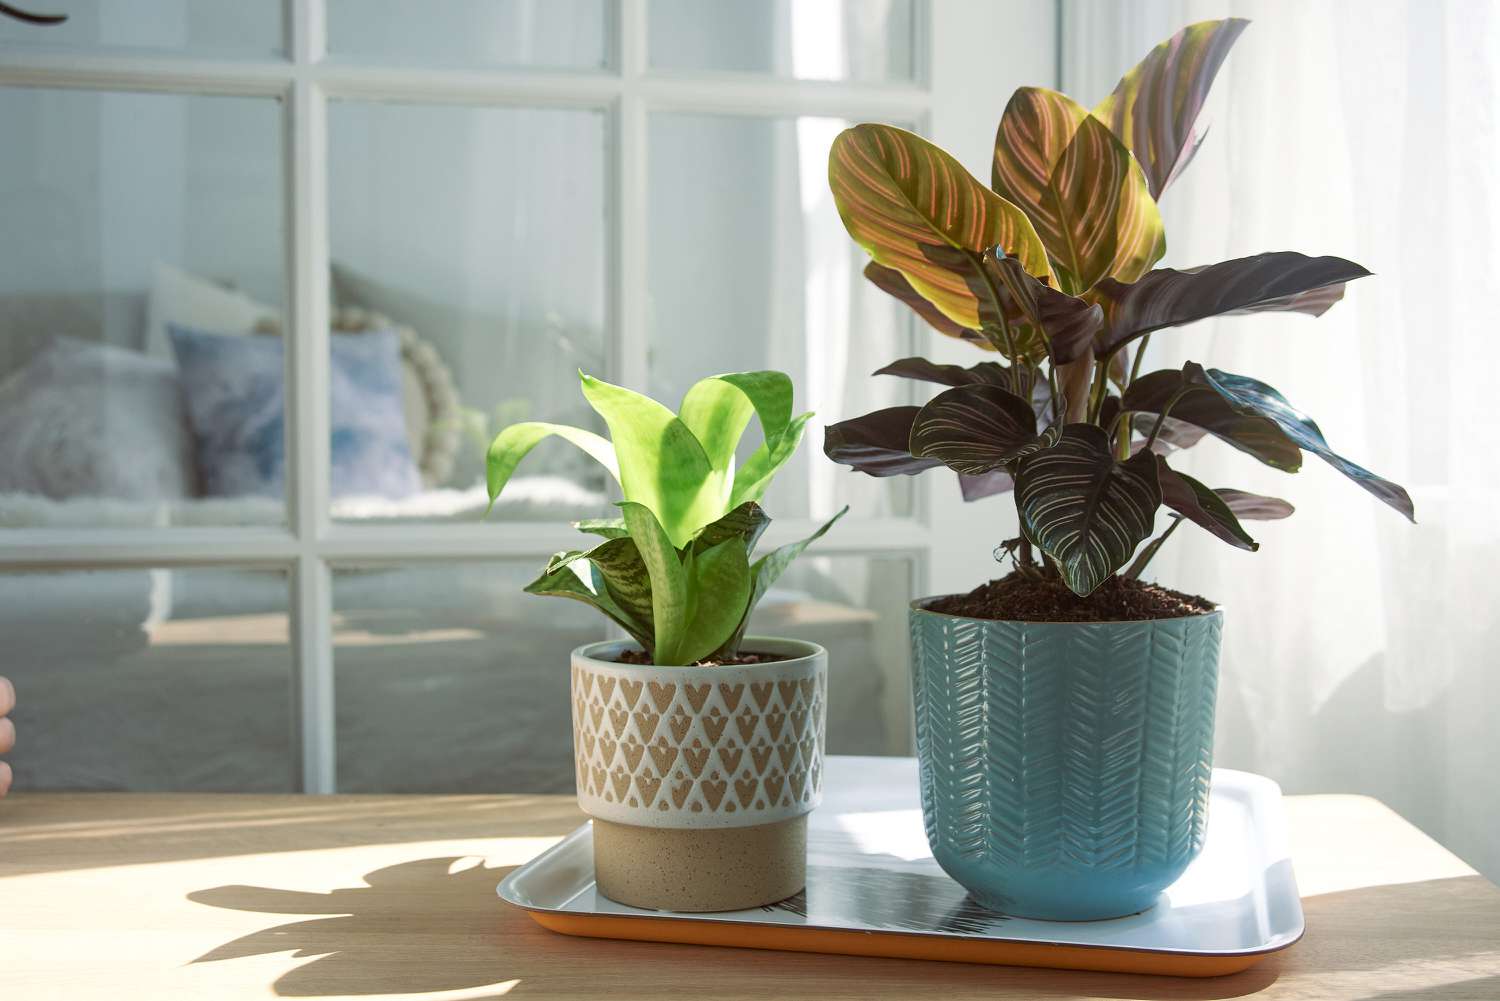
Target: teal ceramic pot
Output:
[(1064, 766)]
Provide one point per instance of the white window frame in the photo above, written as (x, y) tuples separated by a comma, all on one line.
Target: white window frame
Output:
[(311, 544)]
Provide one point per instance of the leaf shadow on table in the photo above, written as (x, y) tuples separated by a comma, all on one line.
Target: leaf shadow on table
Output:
[(415, 927)]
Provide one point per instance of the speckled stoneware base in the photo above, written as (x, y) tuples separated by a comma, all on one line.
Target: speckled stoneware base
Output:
[(700, 779), (696, 870)]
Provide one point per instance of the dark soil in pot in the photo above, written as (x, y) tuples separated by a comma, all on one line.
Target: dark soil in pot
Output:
[(743, 658), (1041, 597)]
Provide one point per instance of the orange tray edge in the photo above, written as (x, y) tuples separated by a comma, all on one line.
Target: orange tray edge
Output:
[(899, 945)]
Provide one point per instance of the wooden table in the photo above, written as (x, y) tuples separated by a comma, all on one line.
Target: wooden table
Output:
[(136, 896)]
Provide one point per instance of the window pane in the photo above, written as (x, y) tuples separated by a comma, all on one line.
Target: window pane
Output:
[(465, 690), (250, 28), (750, 268), (863, 40), (478, 235), (855, 607), (128, 217), (560, 33), (175, 680)]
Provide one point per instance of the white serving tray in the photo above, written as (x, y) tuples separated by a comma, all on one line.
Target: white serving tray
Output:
[(874, 889)]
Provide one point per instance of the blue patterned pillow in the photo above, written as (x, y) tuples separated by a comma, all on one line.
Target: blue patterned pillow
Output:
[(233, 389)]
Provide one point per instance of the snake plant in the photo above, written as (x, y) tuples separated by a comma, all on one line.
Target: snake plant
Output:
[(1052, 268), (675, 569)]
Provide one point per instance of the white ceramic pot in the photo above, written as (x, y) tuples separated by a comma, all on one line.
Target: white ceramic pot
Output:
[(700, 779)]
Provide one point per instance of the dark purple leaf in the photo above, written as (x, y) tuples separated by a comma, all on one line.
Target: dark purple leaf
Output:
[(988, 484), (1200, 505), (1068, 322), (1254, 507), (1249, 432), (1283, 280), (894, 283), (1174, 434), (976, 429), (992, 373), (877, 443), (1251, 396)]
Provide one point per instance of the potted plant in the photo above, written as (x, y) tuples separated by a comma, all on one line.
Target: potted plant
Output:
[(698, 751), (1064, 713)]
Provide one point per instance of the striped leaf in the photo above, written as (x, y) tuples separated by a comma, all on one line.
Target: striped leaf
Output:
[(898, 194), (1253, 397), (977, 429), (1283, 280), (1254, 507), (879, 443), (1083, 508), (669, 581), (1198, 405), (1068, 323), (1200, 505), (745, 523), (721, 586), (894, 283), (1153, 108), (765, 571), (1084, 193), (565, 578)]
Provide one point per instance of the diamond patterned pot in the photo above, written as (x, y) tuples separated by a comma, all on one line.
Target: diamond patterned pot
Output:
[(700, 779), (1064, 766)]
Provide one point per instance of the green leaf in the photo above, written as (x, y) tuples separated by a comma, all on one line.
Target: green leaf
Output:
[(977, 429), (1084, 509), (745, 522), (879, 443), (721, 584), (620, 572), (752, 479), (609, 528), (771, 566), (1200, 505), (1082, 190), (662, 463), (1254, 507), (561, 580), (1252, 433), (511, 445), (1251, 396), (1283, 280), (898, 194), (718, 409), (894, 284), (671, 582), (1154, 106)]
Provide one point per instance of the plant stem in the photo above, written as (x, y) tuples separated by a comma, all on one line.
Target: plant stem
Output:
[(1161, 417), (1023, 553), (994, 291), (1135, 365), (1122, 435), (1099, 390), (1149, 553)]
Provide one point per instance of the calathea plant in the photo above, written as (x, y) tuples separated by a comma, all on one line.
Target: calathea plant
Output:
[(1051, 267), (675, 569)]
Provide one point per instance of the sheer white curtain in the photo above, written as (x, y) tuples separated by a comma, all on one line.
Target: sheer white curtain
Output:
[(1362, 654)]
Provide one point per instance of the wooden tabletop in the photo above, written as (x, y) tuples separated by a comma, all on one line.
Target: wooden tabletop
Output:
[(135, 896)]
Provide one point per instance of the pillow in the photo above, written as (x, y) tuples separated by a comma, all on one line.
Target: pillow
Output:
[(85, 419), (233, 389), (179, 299)]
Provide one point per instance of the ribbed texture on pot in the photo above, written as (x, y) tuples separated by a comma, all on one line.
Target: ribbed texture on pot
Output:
[(1065, 766)]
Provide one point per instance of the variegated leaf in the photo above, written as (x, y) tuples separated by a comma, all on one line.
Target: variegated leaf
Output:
[(1251, 396), (1200, 505), (1254, 507), (1154, 106), (1283, 280), (1252, 433), (745, 522), (879, 443), (977, 429), (1084, 193), (1084, 509), (897, 194), (894, 283)]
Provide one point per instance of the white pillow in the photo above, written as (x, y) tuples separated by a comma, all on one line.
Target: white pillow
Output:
[(83, 419), (183, 300)]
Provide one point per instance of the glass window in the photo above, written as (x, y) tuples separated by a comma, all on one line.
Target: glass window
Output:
[(245, 28), (543, 33), (465, 690), (861, 40), (477, 234), (142, 680), (750, 268), (855, 607), (133, 221)]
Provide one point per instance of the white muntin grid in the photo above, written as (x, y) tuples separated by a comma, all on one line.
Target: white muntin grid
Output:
[(311, 545)]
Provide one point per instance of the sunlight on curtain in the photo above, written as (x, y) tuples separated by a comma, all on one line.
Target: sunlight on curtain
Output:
[(1360, 651)]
